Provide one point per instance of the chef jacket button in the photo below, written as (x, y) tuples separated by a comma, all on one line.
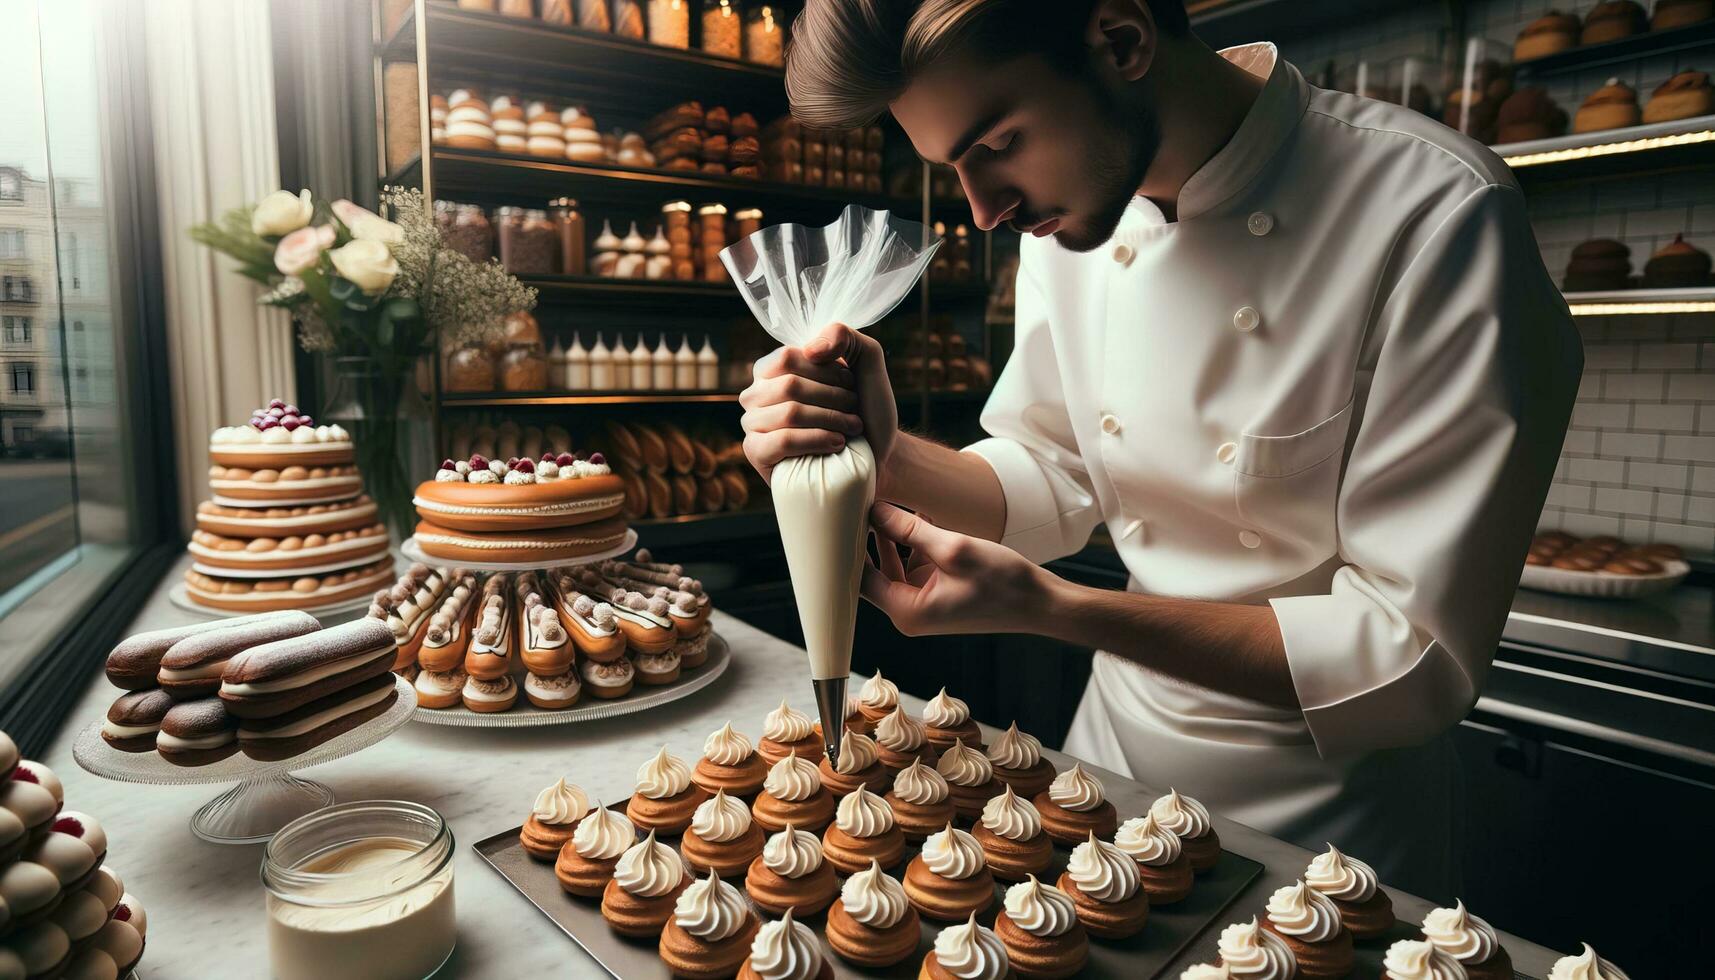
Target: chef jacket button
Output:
[(1111, 425), (1250, 539), (1132, 527), (1260, 223), (1247, 319), (1123, 254), (1228, 452)]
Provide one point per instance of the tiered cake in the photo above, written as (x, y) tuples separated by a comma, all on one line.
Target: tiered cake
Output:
[(288, 526)]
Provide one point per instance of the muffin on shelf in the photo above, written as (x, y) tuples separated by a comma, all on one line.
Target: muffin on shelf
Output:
[(1669, 14), (1598, 265), (1612, 20), (1683, 96), (1551, 33), (1613, 106), (1529, 114), (1678, 265)]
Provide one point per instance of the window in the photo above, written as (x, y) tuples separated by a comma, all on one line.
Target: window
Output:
[(17, 289), (15, 329), (23, 435), (11, 243), (23, 377), (11, 186)]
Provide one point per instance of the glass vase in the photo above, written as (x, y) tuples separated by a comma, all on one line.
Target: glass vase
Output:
[(379, 403)]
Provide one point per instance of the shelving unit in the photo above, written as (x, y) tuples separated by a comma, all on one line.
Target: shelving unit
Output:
[(560, 399), (1630, 302), (1591, 56), (1615, 152)]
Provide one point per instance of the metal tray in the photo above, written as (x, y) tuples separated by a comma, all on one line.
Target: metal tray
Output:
[(1169, 931)]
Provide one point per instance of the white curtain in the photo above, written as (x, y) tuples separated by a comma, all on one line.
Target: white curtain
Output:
[(211, 103)]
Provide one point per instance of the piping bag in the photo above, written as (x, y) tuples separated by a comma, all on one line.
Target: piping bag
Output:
[(797, 280)]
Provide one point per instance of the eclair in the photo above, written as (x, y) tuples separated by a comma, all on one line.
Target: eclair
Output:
[(590, 620), (134, 720), (193, 667), (276, 678), (645, 622), (407, 607), (303, 728), (196, 733), (135, 663), (543, 644), (690, 603), (447, 634), (489, 654)]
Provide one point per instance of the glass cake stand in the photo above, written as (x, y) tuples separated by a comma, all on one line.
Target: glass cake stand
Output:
[(414, 551), (180, 596), (267, 796)]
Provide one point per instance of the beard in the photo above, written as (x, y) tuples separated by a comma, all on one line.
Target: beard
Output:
[(1118, 163)]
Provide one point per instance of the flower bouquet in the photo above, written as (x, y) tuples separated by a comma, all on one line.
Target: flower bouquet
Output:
[(375, 295)]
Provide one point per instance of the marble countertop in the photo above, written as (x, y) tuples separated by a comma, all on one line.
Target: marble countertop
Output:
[(205, 901)]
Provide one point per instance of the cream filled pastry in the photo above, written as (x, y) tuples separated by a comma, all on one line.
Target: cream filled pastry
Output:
[(791, 873), (664, 798), (873, 924), (793, 794), (1364, 907), (1010, 832), (947, 719), (722, 837), (969, 776), (279, 435), (950, 879), (1251, 952), (1307, 921), (877, 699), (1074, 805), (1189, 820), (1206, 971), (638, 900), (710, 932), (787, 731), (1163, 869), (591, 620), (1469, 940), (785, 949), (1017, 760), (1103, 883), (1039, 926), (1413, 959), (859, 765), (601, 838), (967, 951), (901, 740), (922, 801), (729, 763), (553, 819), (1583, 965), (863, 831)]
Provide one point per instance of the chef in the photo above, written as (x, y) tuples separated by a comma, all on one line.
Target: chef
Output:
[(1295, 349)]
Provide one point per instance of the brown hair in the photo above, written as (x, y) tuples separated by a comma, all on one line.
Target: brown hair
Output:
[(849, 58)]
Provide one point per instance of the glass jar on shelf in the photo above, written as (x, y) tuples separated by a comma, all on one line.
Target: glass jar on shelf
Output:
[(524, 367), (569, 230), (747, 222), (721, 29), (764, 35), (670, 22), (468, 369), (527, 241), (469, 233)]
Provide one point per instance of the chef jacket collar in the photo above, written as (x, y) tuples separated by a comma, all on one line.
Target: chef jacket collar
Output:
[(1271, 119)]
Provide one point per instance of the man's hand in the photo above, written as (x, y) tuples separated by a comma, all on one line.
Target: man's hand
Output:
[(806, 401), (954, 583)]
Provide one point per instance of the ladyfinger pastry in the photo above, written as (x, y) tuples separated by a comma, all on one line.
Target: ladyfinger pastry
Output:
[(279, 435), (449, 627), (134, 720), (280, 522), (547, 544), (519, 494), (192, 668), (301, 729), (288, 591), (196, 733), (275, 678), (590, 620), (135, 662), (543, 644), (489, 653), (295, 484), (407, 607)]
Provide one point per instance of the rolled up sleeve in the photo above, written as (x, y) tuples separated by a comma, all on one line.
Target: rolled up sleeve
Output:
[(1050, 507), (1473, 383)]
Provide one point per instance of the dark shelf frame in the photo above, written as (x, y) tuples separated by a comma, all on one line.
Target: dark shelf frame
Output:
[(1593, 56)]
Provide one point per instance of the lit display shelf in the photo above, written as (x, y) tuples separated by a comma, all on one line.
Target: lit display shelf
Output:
[(1611, 146), (1629, 302)]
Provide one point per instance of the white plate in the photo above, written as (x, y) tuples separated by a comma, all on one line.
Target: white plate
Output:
[(179, 595), (283, 502), (262, 573), (412, 550), (641, 698), (1603, 585)]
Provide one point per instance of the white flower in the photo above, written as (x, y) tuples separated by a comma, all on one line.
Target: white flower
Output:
[(367, 264), (299, 251), (282, 213), (366, 225)]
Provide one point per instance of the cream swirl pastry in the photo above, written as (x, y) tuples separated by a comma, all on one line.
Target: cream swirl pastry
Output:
[(965, 766), (1011, 816), (1015, 750), (1076, 790), (1206, 971), (1585, 965), (1103, 871), (720, 818), (863, 814), (1252, 951), (561, 803), (900, 732), (787, 724), (857, 753), (1411, 959), (726, 747), (662, 776), (649, 869), (1338, 876), (710, 909), (1147, 842), (603, 835), (785, 950), (879, 693), (1460, 934), (1300, 911), (1180, 815), (792, 779), (1041, 910), (946, 711), (792, 853), (953, 854), (919, 785), (873, 899), (970, 952)]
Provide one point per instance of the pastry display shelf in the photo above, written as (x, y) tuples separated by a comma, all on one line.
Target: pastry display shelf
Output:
[(1629, 302), (567, 399), (1591, 57), (666, 534), (1226, 22), (720, 297), (267, 796), (1657, 146)]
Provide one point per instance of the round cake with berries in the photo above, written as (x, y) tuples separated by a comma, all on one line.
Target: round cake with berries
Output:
[(279, 436), (519, 495)]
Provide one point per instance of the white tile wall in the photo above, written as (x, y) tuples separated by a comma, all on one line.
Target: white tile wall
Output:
[(1639, 459)]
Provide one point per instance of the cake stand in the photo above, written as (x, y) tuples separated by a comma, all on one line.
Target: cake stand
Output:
[(414, 551), (180, 596), (641, 698), (267, 796)]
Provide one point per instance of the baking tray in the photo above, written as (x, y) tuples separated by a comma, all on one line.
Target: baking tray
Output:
[(1168, 932)]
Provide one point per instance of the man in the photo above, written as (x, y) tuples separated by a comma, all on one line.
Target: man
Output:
[(1296, 349)]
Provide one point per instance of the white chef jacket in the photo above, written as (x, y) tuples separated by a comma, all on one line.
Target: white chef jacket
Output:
[(1338, 383)]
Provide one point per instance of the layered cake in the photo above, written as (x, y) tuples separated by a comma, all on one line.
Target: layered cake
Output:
[(520, 510), (288, 526)]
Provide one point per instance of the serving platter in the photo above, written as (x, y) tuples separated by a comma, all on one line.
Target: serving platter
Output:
[(1603, 585), (180, 596)]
